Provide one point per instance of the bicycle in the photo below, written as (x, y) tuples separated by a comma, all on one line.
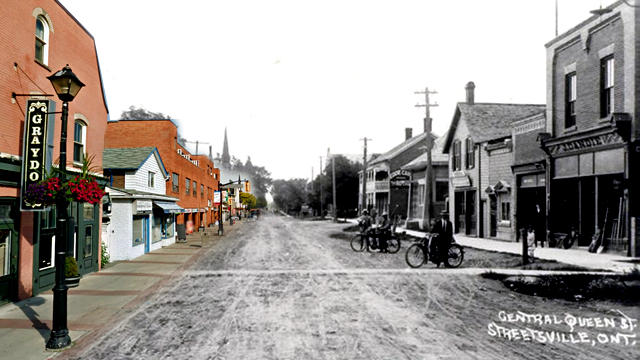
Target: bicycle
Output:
[(418, 253), (363, 241)]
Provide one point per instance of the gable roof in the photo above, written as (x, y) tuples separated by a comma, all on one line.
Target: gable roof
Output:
[(130, 158), (489, 121), (437, 156), (399, 149)]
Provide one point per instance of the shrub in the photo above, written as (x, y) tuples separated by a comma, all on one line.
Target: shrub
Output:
[(70, 267)]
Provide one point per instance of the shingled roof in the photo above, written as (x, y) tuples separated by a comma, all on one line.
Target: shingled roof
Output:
[(489, 121), (399, 149), (437, 156), (129, 158)]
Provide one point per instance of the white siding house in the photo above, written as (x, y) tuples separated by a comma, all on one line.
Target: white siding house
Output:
[(142, 217)]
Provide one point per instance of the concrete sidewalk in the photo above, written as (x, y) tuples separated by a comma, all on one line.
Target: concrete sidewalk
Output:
[(579, 257), (101, 299)]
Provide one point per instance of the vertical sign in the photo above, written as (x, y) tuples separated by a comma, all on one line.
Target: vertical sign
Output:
[(216, 198), (34, 150)]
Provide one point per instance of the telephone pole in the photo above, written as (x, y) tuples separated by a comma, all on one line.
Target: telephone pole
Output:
[(333, 175), (427, 210), (321, 213), (364, 177)]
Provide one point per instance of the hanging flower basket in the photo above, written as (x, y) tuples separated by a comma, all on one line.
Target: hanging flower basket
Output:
[(80, 188)]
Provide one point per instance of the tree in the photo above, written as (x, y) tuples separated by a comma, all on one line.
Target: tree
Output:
[(347, 184), (261, 178), (248, 199), (142, 114), (289, 195)]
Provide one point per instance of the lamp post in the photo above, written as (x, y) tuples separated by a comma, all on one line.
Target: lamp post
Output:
[(67, 86)]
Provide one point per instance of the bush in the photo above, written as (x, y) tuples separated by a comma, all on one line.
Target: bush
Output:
[(104, 255), (70, 267)]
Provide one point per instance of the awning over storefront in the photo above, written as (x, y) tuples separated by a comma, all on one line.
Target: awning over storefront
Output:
[(168, 207)]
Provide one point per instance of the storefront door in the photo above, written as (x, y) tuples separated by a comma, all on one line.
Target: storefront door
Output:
[(87, 236), (44, 238), (8, 252)]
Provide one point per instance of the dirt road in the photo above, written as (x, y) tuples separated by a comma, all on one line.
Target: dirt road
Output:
[(284, 289)]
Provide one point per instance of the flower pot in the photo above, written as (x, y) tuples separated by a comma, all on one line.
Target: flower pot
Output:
[(72, 282)]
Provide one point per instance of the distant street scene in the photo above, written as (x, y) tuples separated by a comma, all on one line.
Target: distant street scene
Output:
[(281, 288)]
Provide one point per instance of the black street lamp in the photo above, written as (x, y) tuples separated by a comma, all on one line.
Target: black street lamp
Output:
[(67, 85)]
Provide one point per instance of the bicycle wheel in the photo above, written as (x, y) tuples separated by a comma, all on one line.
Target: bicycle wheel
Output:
[(415, 256), (393, 245), (455, 256), (357, 243)]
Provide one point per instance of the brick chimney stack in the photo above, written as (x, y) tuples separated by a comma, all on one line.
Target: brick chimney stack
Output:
[(470, 92), (408, 133)]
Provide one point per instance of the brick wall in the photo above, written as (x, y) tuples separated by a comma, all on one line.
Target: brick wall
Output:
[(69, 44), (163, 134), (587, 68)]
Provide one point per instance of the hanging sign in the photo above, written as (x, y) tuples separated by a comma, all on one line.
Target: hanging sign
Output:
[(34, 153), (216, 198)]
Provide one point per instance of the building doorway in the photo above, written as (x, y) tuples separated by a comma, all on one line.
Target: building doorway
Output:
[(8, 252)]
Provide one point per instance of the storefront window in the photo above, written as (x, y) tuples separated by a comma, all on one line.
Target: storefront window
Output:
[(505, 211), (156, 230), (138, 231), (88, 243), (47, 246), (5, 245), (168, 226)]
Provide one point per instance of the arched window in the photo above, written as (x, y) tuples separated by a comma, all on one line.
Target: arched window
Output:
[(42, 40)]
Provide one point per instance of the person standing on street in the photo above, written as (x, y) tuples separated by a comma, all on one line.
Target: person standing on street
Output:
[(444, 228)]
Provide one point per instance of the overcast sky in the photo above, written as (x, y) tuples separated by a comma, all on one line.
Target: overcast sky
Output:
[(289, 79)]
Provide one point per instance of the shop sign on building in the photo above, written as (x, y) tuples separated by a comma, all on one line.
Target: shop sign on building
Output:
[(35, 149), (144, 205), (460, 179)]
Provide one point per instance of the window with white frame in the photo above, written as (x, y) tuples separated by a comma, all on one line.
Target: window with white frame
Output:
[(79, 140), (187, 184), (42, 40), (571, 94), (606, 85), (505, 208), (151, 179)]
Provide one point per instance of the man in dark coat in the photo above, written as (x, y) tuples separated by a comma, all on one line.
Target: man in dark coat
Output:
[(444, 228)]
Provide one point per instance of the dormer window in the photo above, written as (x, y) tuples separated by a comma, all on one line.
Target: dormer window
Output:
[(42, 41)]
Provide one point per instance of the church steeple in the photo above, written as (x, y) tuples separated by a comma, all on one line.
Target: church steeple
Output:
[(226, 158)]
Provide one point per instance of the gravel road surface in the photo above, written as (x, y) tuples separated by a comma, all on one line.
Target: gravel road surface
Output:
[(282, 288)]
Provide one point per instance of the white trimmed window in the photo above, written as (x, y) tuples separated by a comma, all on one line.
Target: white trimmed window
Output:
[(42, 40), (151, 179), (79, 141)]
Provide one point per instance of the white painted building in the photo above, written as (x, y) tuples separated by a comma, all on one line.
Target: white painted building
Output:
[(142, 217)]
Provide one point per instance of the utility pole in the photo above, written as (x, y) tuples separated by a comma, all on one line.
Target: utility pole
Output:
[(364, 177), (321, 213), (427, 210), (333, 175)]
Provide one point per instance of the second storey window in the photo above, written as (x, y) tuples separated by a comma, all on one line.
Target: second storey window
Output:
[(79, 139), (150, 179), (470, 154), (195, 188), (606, 86), (175, 182), (42, 41), (187, 186), (456, 155), (202, 191), (571, 90)]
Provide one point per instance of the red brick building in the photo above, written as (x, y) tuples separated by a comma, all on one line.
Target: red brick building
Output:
[(192, 178), (37, 38)]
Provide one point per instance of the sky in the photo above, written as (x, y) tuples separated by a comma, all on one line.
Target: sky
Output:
[(291, 79)]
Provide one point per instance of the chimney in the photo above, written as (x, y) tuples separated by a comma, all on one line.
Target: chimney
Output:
[(408, 133), (470, 92)]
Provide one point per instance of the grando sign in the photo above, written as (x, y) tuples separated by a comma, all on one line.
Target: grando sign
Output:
[(34, 153)]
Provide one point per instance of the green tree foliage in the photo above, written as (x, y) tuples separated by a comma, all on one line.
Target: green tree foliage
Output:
[(289, 195), (347, 184), (261, 202), (248, 199)]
